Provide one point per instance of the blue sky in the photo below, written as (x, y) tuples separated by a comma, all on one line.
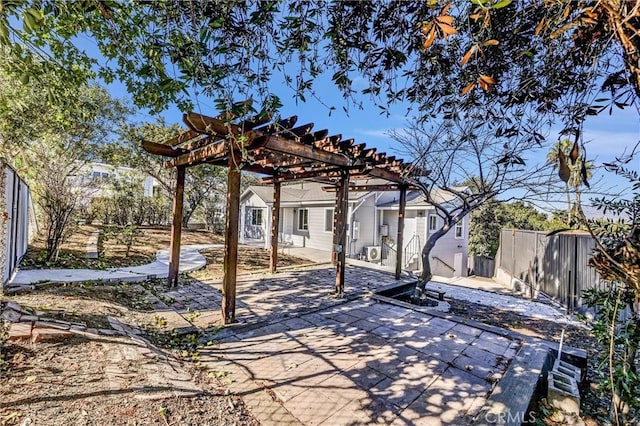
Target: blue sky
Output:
[(606, 136)]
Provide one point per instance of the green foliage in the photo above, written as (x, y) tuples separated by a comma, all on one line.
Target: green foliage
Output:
[(487, 222), (504, 53), (203, 184), (125, 235), (617, 329), (617, 324), (484, 231)]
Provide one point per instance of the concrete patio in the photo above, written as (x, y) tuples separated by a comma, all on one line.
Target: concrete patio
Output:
[(300, 356)]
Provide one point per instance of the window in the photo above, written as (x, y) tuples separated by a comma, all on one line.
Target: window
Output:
[(433, 222), (256, 217), (458, 230), (328, 220), (303, 220)]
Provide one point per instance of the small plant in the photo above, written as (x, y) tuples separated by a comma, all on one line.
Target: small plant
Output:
[(125, 235), (191, 316), (159, 322)]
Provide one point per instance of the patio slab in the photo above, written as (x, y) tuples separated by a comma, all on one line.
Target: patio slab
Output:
[(357, 361)]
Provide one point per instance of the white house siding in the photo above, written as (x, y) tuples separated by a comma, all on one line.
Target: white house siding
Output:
[(315, 237), (446, 248), (249, 231), (365, 215)]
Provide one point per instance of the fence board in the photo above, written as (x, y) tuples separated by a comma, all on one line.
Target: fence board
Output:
[(555, 265), (15, 226)]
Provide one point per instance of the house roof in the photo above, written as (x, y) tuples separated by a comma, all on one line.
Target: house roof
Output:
[(304, 192), (416, 198)]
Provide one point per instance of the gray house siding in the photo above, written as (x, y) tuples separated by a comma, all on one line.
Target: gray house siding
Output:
[(248, 230)]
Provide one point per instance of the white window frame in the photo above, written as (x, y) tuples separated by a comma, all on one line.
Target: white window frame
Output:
[(435, 224), (459, 227), (328, 226), (254, 214), (305, 225)]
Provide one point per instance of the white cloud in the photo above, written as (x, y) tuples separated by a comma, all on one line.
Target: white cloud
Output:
[(376, 133)]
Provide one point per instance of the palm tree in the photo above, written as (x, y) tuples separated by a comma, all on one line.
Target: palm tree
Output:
[(573, 169)]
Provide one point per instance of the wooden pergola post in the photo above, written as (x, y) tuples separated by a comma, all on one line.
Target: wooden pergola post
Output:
[(231, 238), (275, 219), (341, 211), (176, 228), (399, 239)]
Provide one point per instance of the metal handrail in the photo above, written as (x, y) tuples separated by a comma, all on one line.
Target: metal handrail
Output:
[(387, 254), (444, 263), (413, 248)]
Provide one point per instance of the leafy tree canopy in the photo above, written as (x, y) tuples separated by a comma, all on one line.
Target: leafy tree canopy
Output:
[(567, 58), (487, 222)]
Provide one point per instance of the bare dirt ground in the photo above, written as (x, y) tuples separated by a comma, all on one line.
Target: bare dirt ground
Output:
[(64, 383), (148, 241), (250, 260)]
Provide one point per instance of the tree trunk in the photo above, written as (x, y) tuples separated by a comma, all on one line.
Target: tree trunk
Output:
[(186, 217), (426, 275)]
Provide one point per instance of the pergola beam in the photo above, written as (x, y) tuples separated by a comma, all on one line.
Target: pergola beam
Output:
[(231, 240), (400, 236), (176, 228), (275, 222), (371, 188)]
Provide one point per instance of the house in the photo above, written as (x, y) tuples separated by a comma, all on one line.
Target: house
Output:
[(306, 220), (95, 179)]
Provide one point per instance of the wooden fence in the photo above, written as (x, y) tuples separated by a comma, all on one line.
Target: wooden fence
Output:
[(17, 223), (481, 266), (556, 265)]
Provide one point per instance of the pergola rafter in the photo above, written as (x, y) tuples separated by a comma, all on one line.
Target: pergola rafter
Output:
[(284, 152)]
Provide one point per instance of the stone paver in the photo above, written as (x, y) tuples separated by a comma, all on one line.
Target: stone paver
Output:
[(362, 362), (300, 356), (92, 245)]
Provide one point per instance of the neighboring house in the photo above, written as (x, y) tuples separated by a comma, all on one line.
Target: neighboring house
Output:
[(95, 179), (306, 220)]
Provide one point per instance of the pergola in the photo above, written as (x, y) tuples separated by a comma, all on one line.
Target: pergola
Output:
[(284, 152)]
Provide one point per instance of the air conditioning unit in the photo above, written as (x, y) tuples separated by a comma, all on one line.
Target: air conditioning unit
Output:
[(373, 253)]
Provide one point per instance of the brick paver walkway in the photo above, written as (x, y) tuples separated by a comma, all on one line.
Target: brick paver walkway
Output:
[(300, 356), (265, 297)]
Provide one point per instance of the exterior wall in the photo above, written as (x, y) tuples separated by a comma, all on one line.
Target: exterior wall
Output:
[(445, 249), (249, 231), (315, 237), (365, 215)]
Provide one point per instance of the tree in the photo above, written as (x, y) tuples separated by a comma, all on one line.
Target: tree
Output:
[(201, 182), (487, 222), (465, 151), (574, 171), (48, 143), (552, 56), (617, 259)]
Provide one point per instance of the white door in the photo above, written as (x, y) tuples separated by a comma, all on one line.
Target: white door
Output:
[(409, 229), (457, 264)]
